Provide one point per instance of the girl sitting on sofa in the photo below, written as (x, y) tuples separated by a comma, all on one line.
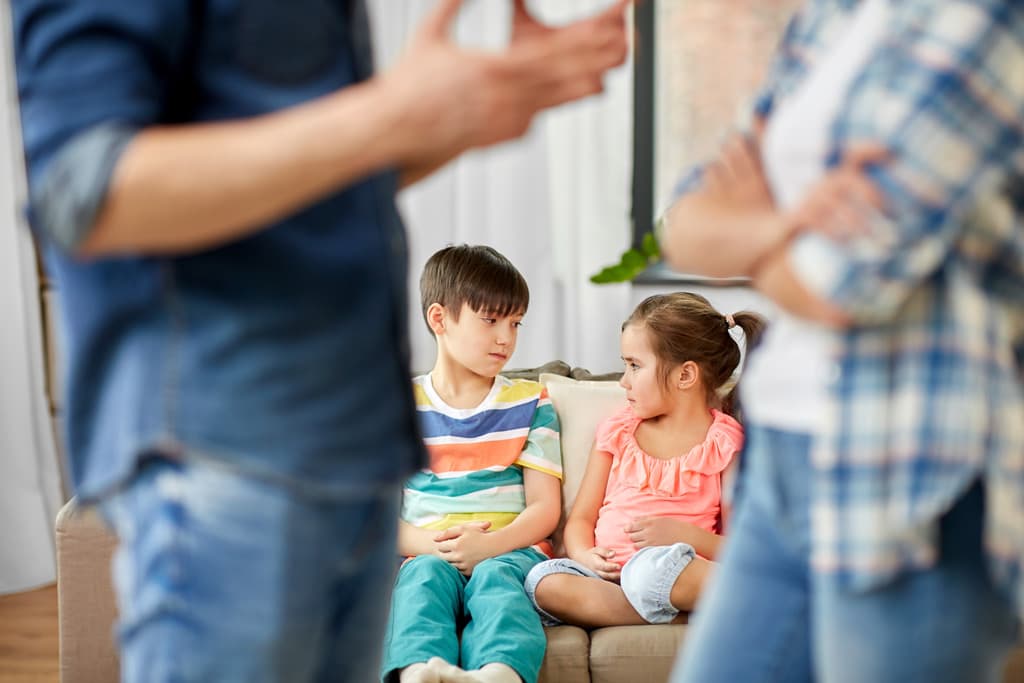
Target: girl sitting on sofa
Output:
[(646, 521)]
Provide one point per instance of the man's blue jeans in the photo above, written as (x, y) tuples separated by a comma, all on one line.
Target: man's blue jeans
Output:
[(768, 617), (224, 578)]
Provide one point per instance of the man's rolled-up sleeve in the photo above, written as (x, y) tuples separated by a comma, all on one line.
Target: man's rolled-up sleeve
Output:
[(944, 95), (90, 75)]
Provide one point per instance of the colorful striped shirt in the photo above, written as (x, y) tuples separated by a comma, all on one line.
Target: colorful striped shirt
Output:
[(477, 455), (928, 393)]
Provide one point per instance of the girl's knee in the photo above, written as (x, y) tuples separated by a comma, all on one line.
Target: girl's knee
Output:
[(539, 572), (553, 590), (689, 584)]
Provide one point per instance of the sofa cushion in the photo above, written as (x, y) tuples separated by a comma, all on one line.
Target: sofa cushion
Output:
[(580, 407), (566, 659), (584, 374), (634, 653), (554, 367)]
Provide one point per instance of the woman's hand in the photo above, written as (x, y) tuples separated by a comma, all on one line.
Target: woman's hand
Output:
[(737, 176), (843, 201)]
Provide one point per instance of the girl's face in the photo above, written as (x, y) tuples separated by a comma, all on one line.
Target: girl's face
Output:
[(644, 387)]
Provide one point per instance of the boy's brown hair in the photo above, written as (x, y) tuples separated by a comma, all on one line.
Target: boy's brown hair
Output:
[(476, 275), (685, 327)]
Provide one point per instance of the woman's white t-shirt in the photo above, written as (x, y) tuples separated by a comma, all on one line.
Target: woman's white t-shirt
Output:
[(786, 382)]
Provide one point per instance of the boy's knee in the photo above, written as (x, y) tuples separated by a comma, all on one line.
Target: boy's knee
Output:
[(494, 570), (427, 567)]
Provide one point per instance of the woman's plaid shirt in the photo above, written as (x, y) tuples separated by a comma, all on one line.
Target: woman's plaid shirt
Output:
[(929, 393)]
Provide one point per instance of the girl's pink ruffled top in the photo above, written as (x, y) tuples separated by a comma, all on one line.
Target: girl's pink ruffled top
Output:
[(687, 487)]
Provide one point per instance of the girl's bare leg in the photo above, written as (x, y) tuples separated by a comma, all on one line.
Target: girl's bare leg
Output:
[(689, 584), (586, 601)]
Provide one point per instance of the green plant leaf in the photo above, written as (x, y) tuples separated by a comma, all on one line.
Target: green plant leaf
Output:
[(650, 246), (633, 259), (631, 263), (616, 273)]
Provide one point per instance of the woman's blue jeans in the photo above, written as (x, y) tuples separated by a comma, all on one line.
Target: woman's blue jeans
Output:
[(768, 617)]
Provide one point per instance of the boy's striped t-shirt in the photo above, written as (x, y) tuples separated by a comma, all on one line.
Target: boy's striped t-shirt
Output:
[(477, 455)]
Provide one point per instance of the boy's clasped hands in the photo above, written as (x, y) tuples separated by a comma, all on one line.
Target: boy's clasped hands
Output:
[(464, 546)]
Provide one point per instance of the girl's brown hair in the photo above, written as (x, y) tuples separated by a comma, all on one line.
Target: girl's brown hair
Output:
[(685, 327)]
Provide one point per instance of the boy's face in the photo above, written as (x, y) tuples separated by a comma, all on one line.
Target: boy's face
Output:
[(481, 341)]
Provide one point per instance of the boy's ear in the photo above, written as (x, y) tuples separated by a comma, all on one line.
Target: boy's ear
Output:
[(435, 318), (687, 375)]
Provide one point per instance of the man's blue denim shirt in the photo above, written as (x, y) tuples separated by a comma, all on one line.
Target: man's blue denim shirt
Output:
[(283, 354)]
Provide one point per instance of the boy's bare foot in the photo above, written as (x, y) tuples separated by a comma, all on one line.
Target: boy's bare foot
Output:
[(419, 673), (489, 673), (496, 673)]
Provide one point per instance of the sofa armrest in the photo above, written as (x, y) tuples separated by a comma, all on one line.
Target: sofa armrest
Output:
[(85, 597)]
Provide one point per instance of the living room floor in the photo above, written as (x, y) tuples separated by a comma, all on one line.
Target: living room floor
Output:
[(28, 636)]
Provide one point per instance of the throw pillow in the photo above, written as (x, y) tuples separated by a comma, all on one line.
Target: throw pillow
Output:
[(581, 406)]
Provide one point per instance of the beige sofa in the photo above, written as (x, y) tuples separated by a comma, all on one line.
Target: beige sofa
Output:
[(626, 654)]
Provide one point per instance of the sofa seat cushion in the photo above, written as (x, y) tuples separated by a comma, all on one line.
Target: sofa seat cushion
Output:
[(634, 653), (566, 658)]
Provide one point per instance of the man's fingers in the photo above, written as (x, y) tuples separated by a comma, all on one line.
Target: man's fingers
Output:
[(615, 12), (438, 23), (582, 51), (520, 10)]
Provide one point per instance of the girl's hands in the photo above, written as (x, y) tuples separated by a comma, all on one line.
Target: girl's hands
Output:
[(464, 546), (648, 531), (598, 559)]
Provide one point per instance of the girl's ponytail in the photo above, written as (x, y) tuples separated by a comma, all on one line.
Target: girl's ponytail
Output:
[(753, 326)]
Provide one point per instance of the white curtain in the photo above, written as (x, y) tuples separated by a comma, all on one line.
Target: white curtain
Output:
[(30, 491), (556, 202)]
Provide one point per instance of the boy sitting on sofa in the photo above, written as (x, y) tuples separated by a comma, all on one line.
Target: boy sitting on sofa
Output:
[(475, 522)]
